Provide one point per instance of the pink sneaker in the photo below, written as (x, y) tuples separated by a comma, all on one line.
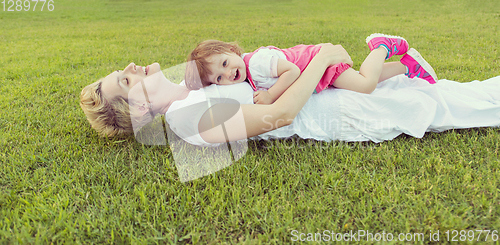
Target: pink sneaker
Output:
[(395, 45), (418, 67)]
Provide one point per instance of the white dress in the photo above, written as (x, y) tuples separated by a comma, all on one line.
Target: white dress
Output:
[(398, 105)]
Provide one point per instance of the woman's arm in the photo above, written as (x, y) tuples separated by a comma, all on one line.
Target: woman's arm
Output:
[(288, 72), (252, 120)]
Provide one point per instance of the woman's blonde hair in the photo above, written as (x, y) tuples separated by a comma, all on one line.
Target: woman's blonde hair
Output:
[(108, 118), (197, 70)]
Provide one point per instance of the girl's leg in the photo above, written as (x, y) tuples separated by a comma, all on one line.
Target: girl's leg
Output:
[(392, 69), (373, 68), (369, 73)]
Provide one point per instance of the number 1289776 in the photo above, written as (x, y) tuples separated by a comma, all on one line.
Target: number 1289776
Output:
[(27, 5)]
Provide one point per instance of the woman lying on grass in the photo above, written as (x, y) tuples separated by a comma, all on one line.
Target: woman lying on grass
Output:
[(398, 105)]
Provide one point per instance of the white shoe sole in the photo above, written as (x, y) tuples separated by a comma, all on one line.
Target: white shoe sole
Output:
[(427, 67), (375, 35)]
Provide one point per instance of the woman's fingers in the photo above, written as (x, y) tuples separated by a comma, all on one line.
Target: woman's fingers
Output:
[(349, 60), (335, 54)]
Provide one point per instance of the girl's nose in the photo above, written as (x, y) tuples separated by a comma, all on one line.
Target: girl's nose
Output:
[(229, 73)]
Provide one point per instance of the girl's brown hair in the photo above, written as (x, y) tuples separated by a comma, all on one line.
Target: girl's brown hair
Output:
[(197, 70)]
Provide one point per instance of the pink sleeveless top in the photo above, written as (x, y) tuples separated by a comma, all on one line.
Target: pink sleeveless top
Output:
[(301, 55)]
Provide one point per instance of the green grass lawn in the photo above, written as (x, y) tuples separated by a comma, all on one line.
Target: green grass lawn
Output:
[(61, 183)]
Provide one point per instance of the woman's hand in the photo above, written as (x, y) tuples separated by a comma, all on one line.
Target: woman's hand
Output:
[(334, 54)]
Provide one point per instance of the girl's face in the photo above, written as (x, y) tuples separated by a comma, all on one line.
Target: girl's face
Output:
[(227, 68), (119, 82)]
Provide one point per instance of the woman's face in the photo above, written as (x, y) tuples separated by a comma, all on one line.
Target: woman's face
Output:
[(119, 82)]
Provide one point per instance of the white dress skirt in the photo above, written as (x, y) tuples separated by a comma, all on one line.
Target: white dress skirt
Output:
[(399, 105)]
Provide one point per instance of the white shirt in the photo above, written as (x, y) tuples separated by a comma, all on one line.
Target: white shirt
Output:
[(263, 67)]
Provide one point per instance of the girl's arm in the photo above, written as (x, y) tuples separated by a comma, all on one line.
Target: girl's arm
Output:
[(252, 120), (288, 72)]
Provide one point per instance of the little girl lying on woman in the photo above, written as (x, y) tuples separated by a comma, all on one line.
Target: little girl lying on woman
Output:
[(270, 70)]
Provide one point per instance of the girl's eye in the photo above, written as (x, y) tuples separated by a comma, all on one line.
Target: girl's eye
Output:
[(126, 80), (224, 64), (219, 78)]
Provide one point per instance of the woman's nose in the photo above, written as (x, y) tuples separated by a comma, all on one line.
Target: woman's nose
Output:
[(131, 67)]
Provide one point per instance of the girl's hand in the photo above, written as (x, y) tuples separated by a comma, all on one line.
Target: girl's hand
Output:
[(262, 97), (334, 54)]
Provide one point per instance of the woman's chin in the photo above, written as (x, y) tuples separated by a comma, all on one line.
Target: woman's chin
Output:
[(153, 68)]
